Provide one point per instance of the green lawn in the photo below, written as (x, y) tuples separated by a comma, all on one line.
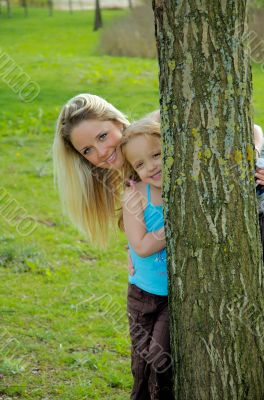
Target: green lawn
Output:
[(57, 341), (63, 324)]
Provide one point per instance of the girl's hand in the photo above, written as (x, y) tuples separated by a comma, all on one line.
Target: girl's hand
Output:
[(259, 176), (131, 269)]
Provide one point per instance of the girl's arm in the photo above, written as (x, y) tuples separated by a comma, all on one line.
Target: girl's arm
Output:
[(131, 269), (144, 243), (258, 141)]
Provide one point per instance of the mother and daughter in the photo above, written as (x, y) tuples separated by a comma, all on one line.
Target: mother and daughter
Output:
[(93, 144)]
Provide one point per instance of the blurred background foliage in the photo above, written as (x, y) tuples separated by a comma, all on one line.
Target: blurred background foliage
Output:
[(133, 34)]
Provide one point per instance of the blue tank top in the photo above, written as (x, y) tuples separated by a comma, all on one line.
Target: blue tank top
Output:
[(151, 272)]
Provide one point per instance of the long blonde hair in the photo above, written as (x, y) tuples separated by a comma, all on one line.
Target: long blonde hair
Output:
[(90, 195)]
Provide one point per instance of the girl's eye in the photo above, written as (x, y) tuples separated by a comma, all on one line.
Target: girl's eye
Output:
[(138, 165), (156, 155), (103, 136)]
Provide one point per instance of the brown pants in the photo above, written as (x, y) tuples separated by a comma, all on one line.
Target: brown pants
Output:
[(150, 345), (261, 225)]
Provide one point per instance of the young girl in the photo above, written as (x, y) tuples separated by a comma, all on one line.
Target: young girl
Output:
[(148, 287), (259, 149)]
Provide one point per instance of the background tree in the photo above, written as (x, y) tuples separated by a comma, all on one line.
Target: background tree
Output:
[(70, 6), (98, 23), (130, 5), (25, 7), (50, 7), (215, 266), (9, 13)]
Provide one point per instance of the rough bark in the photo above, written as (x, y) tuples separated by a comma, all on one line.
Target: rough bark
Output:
[(98, 23), (214, 254)]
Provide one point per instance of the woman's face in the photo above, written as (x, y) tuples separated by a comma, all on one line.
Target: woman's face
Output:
[(99, 142)]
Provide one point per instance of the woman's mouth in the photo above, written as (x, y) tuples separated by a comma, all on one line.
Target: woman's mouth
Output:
[(112, 158)]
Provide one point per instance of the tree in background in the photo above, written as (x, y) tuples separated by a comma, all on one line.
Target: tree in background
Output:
[(98, 23), (9, 13), (50, 7), (130, 5), (216, 285), (25, 6), (70, 6)]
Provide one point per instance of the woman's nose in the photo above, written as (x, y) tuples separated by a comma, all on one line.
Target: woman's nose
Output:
[(101, 151)]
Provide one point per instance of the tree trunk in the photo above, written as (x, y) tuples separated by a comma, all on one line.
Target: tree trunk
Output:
[(214, 255), (25, 6), (50, 6), (97, 16), (9, 13), (70, 6), (130, 5)]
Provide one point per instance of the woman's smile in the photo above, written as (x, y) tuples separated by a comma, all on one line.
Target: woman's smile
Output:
[(112, 158)]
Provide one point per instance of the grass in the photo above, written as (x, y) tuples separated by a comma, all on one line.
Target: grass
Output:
[(63, 325), (64, 330)]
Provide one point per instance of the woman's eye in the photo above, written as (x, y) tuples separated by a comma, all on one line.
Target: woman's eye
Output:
[(87, 151), (157, 155), (103, 136)]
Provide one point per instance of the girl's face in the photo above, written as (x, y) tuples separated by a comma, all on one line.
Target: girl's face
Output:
[(144, 154), (99, 142)]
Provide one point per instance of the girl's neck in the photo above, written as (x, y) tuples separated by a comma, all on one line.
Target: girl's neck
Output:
[(155, 189), (155, 194)]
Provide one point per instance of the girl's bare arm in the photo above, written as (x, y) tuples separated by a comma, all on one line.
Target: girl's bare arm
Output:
[(144, 243)]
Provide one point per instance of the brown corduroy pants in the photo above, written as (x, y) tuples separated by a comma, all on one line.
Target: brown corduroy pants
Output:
[(261, 226), (150, 345)]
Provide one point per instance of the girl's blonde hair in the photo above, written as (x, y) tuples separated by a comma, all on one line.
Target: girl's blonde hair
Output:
[(89, 195), (144, 127)]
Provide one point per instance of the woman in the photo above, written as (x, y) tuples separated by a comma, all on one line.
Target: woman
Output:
[(88, 160)]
